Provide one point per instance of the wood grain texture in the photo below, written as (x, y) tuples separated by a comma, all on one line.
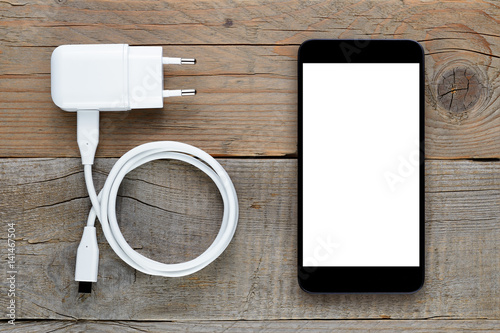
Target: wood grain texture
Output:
[(246, 106), (386, 326), (171, 212), (246, 72)]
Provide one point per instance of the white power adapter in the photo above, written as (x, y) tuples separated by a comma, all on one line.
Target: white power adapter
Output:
[(108, 77), (118, 77), (111, 77)]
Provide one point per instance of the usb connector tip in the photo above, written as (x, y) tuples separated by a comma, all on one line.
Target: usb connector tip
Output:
[(85, 287), (87, 258)]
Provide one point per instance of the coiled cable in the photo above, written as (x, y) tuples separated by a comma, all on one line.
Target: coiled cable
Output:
[(104, 205)]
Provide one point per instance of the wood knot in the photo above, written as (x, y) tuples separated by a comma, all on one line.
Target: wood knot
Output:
[(460, 89), (228, 23)]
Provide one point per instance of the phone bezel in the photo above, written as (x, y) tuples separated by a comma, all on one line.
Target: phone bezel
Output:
[(362, 279)]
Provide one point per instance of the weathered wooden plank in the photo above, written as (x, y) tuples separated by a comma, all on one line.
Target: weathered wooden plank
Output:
[(458, 37), (244, 107), (222, 22), (171, 212), (260, 326), (247, 102)]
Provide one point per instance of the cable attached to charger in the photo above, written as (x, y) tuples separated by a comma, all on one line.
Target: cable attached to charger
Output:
[(104, 204), (118, 77)]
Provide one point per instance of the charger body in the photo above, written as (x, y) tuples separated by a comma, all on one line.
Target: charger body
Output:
[(107, 77)]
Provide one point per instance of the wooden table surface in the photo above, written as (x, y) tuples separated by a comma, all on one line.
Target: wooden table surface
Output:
[(245, 114)]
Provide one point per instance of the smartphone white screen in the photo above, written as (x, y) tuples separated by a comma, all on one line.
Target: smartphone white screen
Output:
[(360, 164)]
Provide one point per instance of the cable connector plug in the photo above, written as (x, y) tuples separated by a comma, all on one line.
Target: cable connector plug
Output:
[(87, 134), (87, 260)]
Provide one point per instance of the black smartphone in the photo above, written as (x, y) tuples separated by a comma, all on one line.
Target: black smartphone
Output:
[(361, 171)]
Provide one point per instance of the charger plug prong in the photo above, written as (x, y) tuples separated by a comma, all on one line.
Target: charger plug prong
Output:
[(188, 92), (179, 92), (178, 61), (188, 61)]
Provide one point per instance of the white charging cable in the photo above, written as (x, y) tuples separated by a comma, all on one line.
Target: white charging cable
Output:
[(104, 206)]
